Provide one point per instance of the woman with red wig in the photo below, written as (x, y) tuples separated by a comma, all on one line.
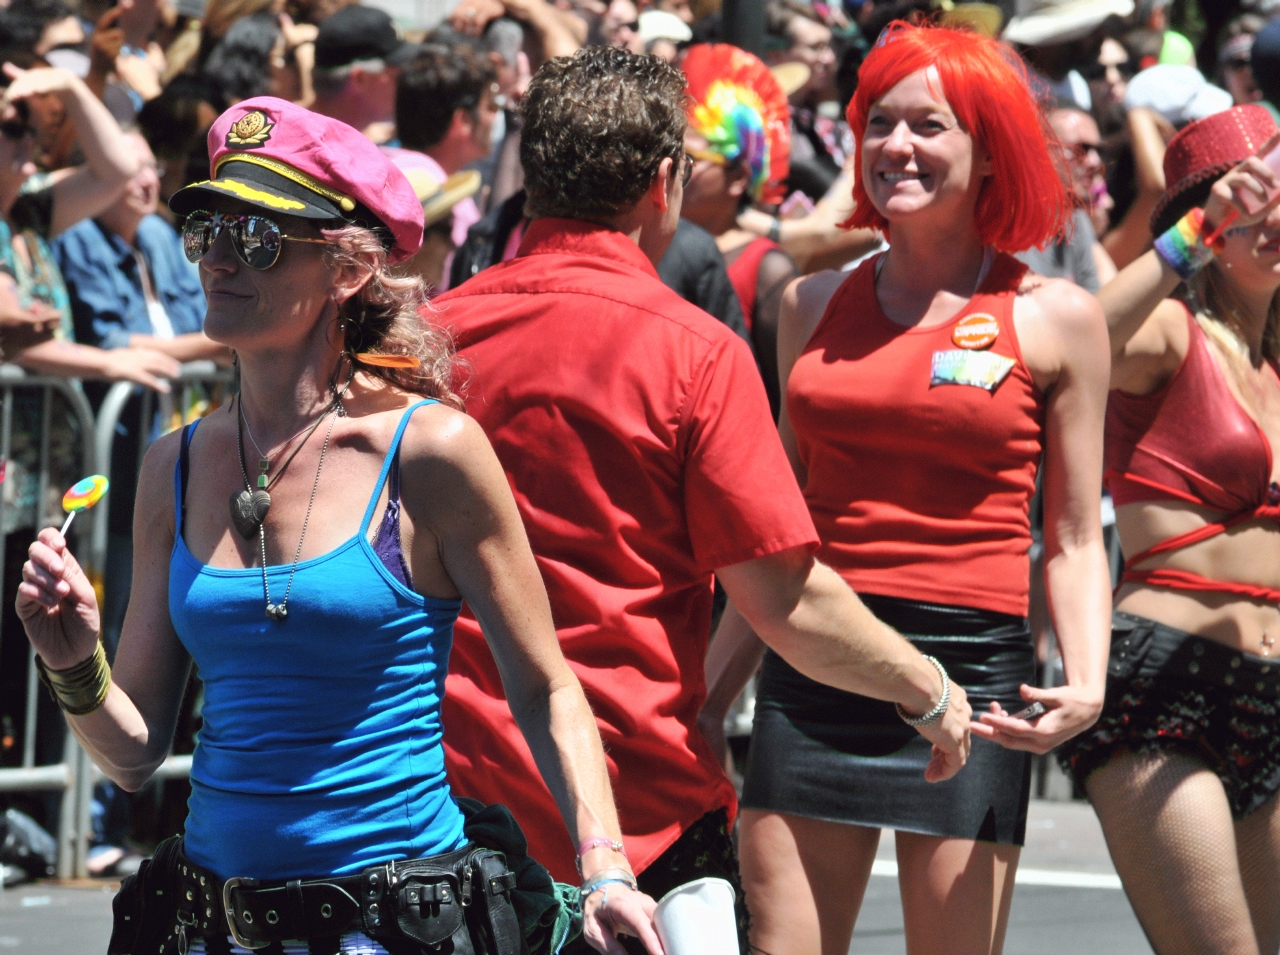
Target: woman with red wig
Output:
[(920, 394)]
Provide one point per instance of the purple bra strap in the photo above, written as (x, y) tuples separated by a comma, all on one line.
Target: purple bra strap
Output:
[(386, 543)]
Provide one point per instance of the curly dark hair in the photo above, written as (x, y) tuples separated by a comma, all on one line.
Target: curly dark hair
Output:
[(596, 127), (241, 62), (438, 82)]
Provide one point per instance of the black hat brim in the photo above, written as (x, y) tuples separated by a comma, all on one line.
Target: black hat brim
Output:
[(258, 186)]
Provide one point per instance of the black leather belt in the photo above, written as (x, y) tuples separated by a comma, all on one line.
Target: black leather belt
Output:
[(422, 899)]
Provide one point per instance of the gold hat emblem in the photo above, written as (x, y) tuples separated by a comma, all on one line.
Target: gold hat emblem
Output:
[(251, 129)]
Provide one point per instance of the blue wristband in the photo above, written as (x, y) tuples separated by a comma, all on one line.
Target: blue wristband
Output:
[(592, 887)]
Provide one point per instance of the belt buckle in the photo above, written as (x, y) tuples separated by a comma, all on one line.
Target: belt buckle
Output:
[(229, 911)]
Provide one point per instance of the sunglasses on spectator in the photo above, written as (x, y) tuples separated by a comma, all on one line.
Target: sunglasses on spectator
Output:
[(1237, 63), (19, 127), (1098, 71), (255, 239), (1080, 150), (15, 130)]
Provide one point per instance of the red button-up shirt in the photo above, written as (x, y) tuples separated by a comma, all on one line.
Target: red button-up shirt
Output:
[(636, 436)]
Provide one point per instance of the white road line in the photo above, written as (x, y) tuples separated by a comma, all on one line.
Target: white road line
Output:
[(1067, 880)]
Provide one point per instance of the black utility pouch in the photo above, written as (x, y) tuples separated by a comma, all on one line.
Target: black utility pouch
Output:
[(145, 910), (430, 900)]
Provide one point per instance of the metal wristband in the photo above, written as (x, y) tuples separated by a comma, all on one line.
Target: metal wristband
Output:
[(936, 713), (80, 689), (613, 876), (775, 230)]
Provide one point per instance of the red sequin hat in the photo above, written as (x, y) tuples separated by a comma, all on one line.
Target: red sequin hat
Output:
[(1201, 153), (285, 159)]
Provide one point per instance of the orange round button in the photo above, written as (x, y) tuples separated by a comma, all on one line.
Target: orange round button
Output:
[(978, 330)]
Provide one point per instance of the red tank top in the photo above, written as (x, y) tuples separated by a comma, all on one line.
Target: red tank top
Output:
[(744, 273), (920, 486), (1190, 440)]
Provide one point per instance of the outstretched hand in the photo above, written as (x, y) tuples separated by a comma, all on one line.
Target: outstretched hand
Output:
[(57, 604), (618, 910), (1068, 711)]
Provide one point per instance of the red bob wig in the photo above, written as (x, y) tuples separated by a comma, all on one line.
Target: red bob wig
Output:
[(1023, 202)]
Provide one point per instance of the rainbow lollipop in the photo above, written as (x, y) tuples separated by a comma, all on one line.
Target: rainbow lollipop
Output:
[(83, 495)]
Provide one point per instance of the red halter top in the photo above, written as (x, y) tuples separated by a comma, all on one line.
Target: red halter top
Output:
[(920, 473), (1190, 440), (744, 273)]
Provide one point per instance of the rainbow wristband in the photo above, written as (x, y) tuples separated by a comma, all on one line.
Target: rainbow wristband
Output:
[(1183, 248)]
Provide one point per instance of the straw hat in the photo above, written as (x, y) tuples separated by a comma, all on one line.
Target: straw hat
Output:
[(439, 198)]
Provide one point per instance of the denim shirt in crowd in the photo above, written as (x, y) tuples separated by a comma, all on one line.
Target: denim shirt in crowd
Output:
[(107, 301)]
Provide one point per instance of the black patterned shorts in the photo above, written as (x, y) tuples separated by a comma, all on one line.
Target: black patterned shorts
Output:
[(1171, 691)]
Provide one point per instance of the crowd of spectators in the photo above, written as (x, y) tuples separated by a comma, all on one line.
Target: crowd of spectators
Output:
[(106, 111)]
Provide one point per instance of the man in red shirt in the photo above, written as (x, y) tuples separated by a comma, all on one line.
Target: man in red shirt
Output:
[(637, 438)]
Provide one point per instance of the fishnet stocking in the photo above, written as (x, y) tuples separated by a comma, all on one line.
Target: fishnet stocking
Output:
[(1169, 828), (1258, 848)]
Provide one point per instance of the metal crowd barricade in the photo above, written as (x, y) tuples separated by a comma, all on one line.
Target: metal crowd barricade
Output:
[(64, 776), (75, 775), (182, 405)]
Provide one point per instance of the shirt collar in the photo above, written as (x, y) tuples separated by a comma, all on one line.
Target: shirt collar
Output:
[(123, 250), (552, 236)]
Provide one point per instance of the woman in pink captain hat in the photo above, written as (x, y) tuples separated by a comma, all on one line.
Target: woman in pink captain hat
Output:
[(309, 551)]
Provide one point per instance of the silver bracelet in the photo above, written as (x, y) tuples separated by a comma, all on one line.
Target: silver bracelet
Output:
[(611, 876), (934, 714)]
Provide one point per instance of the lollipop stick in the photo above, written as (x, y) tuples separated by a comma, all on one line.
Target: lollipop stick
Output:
[(67, 523)]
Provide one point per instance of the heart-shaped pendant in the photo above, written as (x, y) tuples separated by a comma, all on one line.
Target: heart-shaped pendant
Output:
[(249, 510)]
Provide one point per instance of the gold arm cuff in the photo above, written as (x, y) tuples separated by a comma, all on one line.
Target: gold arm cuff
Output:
[(80, 689)]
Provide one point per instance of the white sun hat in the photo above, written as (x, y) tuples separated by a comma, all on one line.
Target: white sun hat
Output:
[(1044, 22)]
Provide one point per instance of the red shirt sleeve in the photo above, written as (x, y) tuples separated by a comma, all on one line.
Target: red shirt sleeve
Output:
[(740, 495)]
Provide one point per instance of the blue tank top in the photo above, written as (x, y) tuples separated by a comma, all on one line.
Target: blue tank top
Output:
[(321, 748)]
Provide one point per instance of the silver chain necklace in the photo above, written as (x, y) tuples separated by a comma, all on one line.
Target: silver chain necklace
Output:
[(279, 611)]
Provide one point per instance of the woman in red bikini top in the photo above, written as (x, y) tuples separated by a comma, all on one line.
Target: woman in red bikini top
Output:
[(1183, 766)]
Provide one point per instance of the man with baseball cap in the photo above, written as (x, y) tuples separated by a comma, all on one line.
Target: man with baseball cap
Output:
[(359, 54)]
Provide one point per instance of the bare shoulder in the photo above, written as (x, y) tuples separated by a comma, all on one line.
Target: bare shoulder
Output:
[(1062, 330), (804, 303), (155, 481), (1063, 306), (438, 435), (1155, 351)]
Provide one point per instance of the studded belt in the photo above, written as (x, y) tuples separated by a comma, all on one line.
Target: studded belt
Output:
[(422, 899), (1144, 648)]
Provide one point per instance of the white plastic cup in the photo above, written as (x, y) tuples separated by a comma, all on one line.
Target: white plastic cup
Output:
[(697, 918)]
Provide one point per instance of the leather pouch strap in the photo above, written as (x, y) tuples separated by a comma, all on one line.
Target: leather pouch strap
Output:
[(497, 884)]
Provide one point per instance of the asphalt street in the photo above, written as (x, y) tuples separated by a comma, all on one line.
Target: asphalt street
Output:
[(1067, 902)]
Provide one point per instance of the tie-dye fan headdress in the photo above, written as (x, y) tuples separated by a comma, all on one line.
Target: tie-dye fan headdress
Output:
[(736, 103)]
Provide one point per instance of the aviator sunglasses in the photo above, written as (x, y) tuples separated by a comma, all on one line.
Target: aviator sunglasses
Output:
[(256, 239)]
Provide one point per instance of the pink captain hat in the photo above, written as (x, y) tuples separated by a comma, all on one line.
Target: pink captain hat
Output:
[(285, 159)]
